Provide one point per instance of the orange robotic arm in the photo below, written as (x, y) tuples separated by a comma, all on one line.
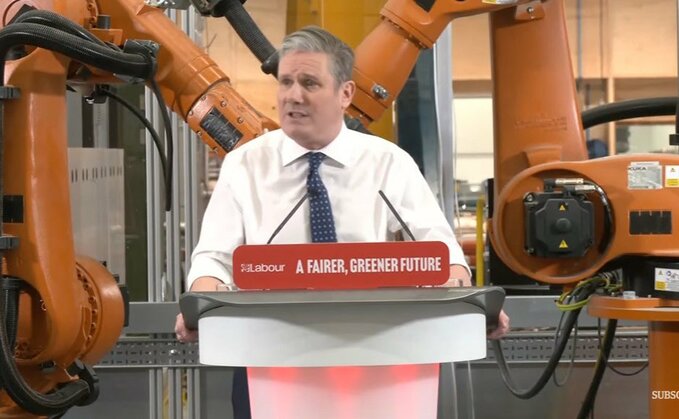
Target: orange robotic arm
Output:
[(530, 56), (70, 308), (385, 58), (557, 217), (191, 83)]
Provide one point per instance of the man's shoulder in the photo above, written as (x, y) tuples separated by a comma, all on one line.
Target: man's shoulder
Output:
[(378, 146)]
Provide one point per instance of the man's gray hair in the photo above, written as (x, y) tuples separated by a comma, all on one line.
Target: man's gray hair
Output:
[(316, 39)]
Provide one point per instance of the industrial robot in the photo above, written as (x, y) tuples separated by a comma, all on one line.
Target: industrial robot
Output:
[(556, 217)]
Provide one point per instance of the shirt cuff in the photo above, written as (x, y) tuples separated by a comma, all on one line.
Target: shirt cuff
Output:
[(457, 258), (204, 265)]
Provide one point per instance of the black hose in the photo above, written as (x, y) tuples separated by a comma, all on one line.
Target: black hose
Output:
[(249, 33), (23, 395), (627, 109), (154, 136), (10, 289), (602, 361), (606, 238), (6, 328), (169, 148), (53, 20), (86, 52), (555, 379), (628, 374), (2, 159), (553, 362)]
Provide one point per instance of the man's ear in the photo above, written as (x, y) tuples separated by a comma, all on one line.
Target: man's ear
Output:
[(347, 90)]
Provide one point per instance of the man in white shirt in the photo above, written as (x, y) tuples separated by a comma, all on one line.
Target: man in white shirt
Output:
[(261, 181)]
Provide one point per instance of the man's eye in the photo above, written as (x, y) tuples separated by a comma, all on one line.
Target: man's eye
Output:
[(309, 83), (286, 82)]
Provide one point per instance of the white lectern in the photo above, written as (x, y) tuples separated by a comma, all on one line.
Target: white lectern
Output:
[(343, 354)]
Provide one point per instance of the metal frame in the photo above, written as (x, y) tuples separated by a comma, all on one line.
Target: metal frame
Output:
[(164, 351), (171, 238), (443, 98)]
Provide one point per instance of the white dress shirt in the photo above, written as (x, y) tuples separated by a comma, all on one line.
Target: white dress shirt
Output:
[(261, 181)]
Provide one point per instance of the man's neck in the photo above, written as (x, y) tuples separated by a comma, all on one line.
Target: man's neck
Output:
[(319, 143)]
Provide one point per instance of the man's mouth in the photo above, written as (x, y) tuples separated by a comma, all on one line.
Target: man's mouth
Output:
[(297, 114)]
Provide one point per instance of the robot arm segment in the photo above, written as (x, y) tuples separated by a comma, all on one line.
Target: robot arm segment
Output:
[(385, 58), (82, 318), (190, 82)]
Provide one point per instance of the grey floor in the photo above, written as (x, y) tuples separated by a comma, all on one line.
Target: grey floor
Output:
[(124, 393)]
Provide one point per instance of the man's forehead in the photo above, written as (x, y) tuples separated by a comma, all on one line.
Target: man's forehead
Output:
[(303, 63)]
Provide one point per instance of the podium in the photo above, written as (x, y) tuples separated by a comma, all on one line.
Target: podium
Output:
[(343, 354)]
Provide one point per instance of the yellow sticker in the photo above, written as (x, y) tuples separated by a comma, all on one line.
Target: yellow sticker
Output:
[(562, 207), (671, 176), (499, 1), (660, 285), (563, 245)]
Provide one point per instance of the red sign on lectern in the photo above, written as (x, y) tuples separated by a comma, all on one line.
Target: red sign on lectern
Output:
[(340, 265)]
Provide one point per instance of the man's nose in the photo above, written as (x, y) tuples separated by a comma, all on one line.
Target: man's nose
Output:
[(294, 94)]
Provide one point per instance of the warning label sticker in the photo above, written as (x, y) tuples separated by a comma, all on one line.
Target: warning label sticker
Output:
[(672, 176), (666, 279), (644, 175)]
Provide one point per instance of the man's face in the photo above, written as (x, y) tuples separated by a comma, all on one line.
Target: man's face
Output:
[(310, 105)]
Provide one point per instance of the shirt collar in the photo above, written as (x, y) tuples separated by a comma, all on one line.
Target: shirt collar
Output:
[(338, 149)]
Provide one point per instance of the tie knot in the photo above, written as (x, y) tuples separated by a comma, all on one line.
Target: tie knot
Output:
[(315, 160)]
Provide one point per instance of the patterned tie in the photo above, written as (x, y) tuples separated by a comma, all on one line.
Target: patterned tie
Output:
[(322, 223)]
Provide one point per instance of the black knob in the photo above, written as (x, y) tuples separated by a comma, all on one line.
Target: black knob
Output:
[(563, 225), (104, 22)]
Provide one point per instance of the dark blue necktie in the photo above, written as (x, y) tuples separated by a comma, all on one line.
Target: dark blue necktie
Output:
[(322, 223)]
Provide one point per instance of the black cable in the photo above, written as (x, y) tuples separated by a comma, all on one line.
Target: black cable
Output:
[(169, 149), (10, 289), (72, 46), (607, 236), (579, 294), (149, 127), (23, 395), (51, 19), (571, 318), (574, 347), (610, 366), (249, 33), (113, 46), (5, 328), (627, 374), (627, 109), (604, 353)]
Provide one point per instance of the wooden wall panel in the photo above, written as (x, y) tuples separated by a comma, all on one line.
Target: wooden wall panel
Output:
[(226, 48), (644, 38), (630, 39)]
